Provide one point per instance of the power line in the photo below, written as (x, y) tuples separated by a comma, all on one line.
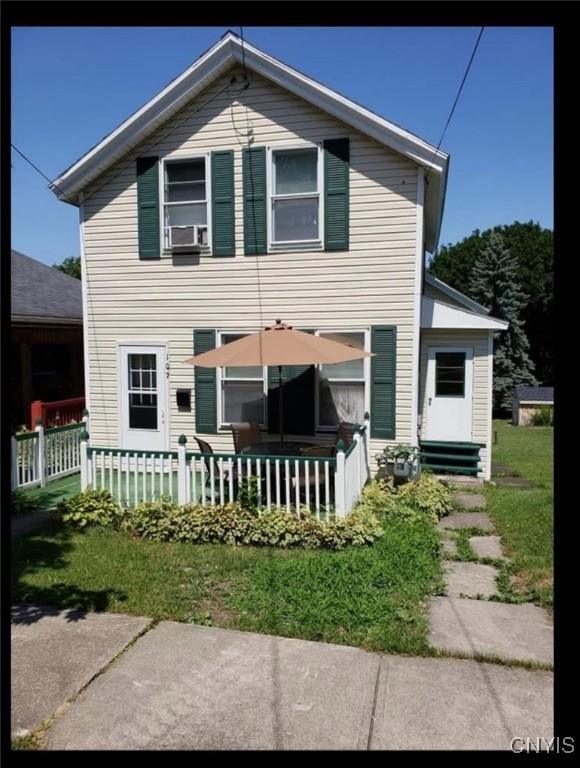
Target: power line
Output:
[(36, 168), (457, 97)]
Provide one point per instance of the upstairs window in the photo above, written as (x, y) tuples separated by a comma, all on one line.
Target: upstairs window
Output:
[(185, 205), (295, 195)]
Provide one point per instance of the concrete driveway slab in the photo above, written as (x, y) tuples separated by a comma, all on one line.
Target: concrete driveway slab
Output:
[(455, 704), (189, 687), (55, 653), (480, 627)]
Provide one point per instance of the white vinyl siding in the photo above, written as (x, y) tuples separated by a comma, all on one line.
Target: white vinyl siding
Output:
[(481, 373), (371, 283)]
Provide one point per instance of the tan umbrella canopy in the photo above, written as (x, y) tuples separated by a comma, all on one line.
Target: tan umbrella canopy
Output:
[(278, 345)]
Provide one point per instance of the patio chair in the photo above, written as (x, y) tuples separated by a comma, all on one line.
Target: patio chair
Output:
[(245, 433), (207, 451), (344, 432)]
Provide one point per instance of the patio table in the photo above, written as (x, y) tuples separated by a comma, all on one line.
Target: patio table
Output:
[(276, 448)]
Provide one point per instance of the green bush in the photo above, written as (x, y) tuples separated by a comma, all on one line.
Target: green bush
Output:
[(543, 416), (414, 500), (91, 507), (248, 493), (23, 504), (232, 524), (428, 495)]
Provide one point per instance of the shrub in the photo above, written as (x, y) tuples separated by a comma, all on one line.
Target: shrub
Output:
[(248, 493), (232, 524), (428, 495), (543, 416), (424, 497), (91, 507), (23, 504)]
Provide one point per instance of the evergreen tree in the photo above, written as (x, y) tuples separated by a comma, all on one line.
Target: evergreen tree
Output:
[(71, 266), (494, 283)]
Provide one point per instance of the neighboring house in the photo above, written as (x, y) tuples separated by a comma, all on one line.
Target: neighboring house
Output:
[(46, 336), (526, 400), (245, 192)]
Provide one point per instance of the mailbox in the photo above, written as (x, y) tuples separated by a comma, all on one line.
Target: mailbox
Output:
[(184, 399)]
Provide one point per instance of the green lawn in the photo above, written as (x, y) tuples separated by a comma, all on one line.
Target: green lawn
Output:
[(373, 597), (524, 516)]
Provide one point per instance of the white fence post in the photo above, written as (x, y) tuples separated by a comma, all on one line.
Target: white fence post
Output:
[(14, 473), (85, 469), (357, 439), (181, 470), (85, 419), (339, 481), (41, 452)]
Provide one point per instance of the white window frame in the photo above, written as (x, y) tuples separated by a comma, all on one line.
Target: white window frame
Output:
[(271, 196), (162, 203), (220, 378), (366, 373)]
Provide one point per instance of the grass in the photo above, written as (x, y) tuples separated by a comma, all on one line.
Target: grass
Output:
[(371, 597), (524, 516)]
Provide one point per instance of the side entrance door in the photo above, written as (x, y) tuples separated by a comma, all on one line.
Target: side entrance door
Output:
[(143, 398), (449, 393)]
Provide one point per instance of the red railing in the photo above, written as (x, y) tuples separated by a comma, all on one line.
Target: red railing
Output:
[(57, 413)]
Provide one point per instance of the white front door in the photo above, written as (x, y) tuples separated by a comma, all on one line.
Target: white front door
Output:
[(449, 393), (143, 393)]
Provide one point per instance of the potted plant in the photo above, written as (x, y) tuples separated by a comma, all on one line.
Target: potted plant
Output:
[(400, 461)]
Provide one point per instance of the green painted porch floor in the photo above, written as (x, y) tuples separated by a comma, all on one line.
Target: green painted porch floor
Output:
[(55, 491)]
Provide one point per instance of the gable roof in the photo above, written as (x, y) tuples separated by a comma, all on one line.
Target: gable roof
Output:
[(453, 293), (41, 292), (526, 393), (438, 314), (213, 63)]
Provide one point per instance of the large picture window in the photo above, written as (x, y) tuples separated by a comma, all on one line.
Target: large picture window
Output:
[(295, 195), (243, 396), (185, 208), (342, 387)]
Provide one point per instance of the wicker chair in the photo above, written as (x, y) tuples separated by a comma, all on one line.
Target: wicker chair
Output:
[(344, 432), (245, 433), (207, 451)]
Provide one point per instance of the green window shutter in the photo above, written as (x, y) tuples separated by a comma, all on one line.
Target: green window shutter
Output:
[(298, 382), (383, 378), (148, 207), (205, 384), (336, 194), (222, 202), (254, 184)]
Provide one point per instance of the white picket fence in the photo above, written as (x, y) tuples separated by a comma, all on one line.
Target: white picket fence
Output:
[(327, 486), (46, 454)]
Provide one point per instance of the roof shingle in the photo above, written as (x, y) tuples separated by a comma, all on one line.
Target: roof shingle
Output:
[(38, 290)]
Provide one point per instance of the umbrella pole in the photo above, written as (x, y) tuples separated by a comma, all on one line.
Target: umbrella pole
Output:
[(280, 405)]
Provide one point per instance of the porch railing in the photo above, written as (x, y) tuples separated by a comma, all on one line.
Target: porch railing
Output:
[(46, 454), (58, 413), (327, 486)]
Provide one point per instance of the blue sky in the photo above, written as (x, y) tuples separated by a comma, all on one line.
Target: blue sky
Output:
[(71, 86)]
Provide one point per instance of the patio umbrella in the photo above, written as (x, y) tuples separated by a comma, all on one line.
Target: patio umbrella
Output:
[(278, 345)]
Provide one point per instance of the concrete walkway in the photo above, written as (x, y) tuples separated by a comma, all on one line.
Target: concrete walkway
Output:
[(467, 620), (182, 686)]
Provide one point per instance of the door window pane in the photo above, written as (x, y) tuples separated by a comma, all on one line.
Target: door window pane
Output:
[(142, 392), (449, 374), (296, 171), (295, 219)]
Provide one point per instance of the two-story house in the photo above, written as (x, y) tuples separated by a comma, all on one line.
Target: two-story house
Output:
[(244, 192)]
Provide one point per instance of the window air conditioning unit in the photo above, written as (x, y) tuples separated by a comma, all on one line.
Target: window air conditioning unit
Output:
[(183, 236)]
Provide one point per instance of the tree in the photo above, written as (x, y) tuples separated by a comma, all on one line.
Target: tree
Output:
[(70, 266), (533, 248), (494, 283)]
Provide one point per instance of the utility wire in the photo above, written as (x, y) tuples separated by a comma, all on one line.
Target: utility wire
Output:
[(36, 168), (457, 97)]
